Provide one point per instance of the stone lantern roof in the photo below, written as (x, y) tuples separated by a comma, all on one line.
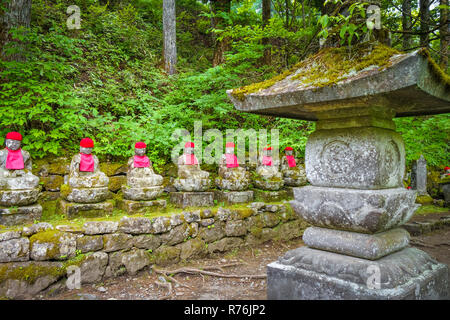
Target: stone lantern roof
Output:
[(336, 79)]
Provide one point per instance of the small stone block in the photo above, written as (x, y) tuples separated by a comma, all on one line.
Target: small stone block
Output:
[(192, 199), (233, 197), (270, 196), (20, 215), (88, 210), (133, 207)]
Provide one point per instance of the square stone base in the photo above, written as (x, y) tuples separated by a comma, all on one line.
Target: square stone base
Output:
[(133, 207), (13, 216), (87, 210), (192, 199), (310, 274), (270, 196), (232, 197), (290, 191)]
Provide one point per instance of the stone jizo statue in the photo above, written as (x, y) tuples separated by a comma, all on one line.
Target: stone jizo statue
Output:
[(140, 172), (268, 176), (293, 174), (231, 176), (190, 176), (15, 165)]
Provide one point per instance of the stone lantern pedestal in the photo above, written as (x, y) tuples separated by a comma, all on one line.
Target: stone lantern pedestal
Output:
[(355, 162)]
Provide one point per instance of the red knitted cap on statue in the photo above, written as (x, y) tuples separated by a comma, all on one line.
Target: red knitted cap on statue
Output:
[(87, 143), (229, 145), (268, 148), (140, 145), (446, 168), (189, 145), (288, 149), (13, 135)]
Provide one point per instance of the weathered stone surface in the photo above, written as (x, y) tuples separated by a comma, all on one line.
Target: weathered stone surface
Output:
[(88, 210), (192, 199), (132, 261), (193, 248), (363, 158), (367, 211), (192, 216), (212, 232), (270, 219), (100, 227), (191, 184), (354, 244), (35, 228), (225, 214), (147, 241), (292, 229), (22, 280), (232, 184), (233, 197), (52, 245), (161, 224), (145, 194), (113, 168), (259, 236), (93, 267), (20, 215), (136, 207), (135, 225), (225, 244), (12, 198), (117, 241), (177, 234), (116, 183), (206, 222), (166, 255), (236, 228), (89, 243), (270, 196), (52, 182), (15, 250), (87, 195), (9, 234), (295, 176), (268, 184), (306, 274), (419, 176), (176, 219)]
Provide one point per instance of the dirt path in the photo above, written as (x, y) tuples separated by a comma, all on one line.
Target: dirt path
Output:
[(249, 262)]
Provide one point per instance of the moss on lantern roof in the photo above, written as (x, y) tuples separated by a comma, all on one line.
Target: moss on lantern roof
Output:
[(332, 65)]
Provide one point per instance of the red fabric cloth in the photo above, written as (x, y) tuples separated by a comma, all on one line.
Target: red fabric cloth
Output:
[(140, 145), (267, 160), (141, 162), (268, 148), (291, 161), (13, 135), (189, 145), (231, 160), (288, 149), (87, 143), (86, 162), (14, 160), (190, 159), (229, 145)]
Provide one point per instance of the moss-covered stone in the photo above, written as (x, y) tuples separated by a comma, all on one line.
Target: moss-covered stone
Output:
[(116, 183), (112, 168), (193, 248), (165, 255), (52, 182), (425, 199), (52, 245)]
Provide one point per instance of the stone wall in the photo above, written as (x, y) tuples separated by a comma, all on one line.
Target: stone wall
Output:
[(36, 258)]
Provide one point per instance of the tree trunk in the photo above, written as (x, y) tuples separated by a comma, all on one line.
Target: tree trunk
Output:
[(406, 24), (170, 36), (444, 35), (265, 21), (17, 14), (218, 23), (424, 15)]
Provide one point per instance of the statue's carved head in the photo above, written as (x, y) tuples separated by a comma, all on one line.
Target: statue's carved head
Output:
[(13, 140), (140, 148)]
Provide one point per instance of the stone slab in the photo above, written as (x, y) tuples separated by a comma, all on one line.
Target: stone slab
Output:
[(192, 184), (19, 197), (233, 197), (360, 158), (88, 195), (354, 244), (148, 193), (310, 274), (270, 196), (192, 199), (134, 207), (366, 211), (88, 210), (20, 215)]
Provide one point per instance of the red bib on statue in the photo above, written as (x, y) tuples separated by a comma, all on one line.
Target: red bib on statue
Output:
[(267, 160), (291, 161), (86, 162), (141, 162), (232, 161), (14, 160), (190, 159)]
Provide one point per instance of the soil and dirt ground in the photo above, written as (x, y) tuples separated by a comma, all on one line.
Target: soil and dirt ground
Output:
[(150, 285)]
